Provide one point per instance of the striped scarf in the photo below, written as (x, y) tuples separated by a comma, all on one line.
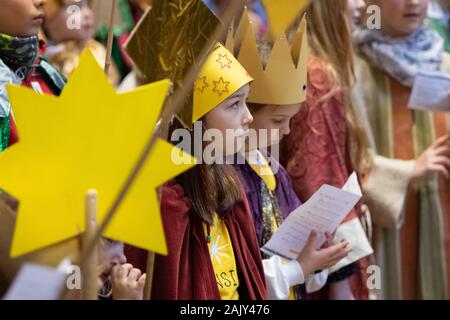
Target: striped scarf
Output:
[(402, 58)]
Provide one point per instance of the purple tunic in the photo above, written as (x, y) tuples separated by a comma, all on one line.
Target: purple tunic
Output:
[(284, 193)]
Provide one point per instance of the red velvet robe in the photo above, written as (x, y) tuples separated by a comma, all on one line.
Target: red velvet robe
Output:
[(186, 273)]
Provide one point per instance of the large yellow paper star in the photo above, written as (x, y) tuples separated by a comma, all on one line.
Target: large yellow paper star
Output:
[(89, 137), (282, 13)]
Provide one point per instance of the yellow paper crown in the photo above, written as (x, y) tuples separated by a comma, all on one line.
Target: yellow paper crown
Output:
[(283, 80), (220, 77)]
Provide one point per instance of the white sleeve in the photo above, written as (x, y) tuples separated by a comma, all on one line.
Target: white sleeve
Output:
[(317, 281), (385, 190), (280, 277)]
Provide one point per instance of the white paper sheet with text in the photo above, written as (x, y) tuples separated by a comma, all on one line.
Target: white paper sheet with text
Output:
[(324, 211)]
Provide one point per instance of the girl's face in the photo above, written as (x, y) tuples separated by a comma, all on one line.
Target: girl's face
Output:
[(401, 18), (21, 18), (57, 27), (355, 9), (231, 114), (276, 120)]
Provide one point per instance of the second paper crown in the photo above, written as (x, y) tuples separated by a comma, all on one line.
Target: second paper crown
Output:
[(284, 77)]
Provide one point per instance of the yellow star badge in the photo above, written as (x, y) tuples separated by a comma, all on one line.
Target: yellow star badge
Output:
[(89, 137)]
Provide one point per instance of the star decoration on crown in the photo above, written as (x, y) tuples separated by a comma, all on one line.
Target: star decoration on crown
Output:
[(221, 86), (224, 61), (201, 84)]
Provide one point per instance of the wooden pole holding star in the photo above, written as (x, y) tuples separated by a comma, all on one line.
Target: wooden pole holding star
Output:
[(109, 45), (89, 265)]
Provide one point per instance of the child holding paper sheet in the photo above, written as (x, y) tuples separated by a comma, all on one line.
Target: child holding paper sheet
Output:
[(326, 143), (408, 188), (268, 190), (21, 61)]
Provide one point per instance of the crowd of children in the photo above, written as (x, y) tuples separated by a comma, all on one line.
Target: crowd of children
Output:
[(330, 95)]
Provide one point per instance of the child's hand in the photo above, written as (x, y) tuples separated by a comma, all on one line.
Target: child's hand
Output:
[(328, 240), (127, 282), (435, 159), (312, 260)]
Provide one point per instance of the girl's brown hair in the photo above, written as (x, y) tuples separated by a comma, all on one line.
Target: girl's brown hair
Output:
[(213, 188), (330, 40)]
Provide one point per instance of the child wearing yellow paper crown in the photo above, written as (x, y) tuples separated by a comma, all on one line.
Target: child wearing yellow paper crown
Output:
[(276, 95), (213, 251), (325, 143), (408, 189), (66, 39)]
